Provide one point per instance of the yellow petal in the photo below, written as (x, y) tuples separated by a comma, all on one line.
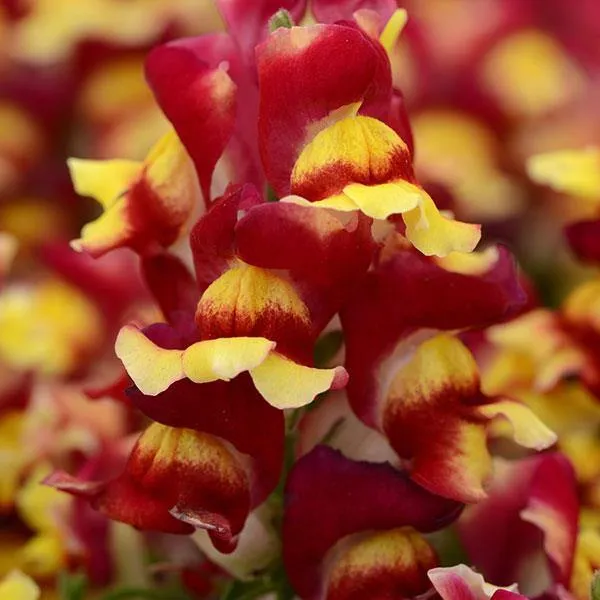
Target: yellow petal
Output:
[(575, 172), (340, 202), (530, 73), (16, 586), (585, 564), (108, 229), (171, 174), (386, 199), (351, 150), (43, 555), (434, 234), (470, 263), (224, 358), (152, 368), (392, 30), (286, 384), (103, 180), (528, 430)]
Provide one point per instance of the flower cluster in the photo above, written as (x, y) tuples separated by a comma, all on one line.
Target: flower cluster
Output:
[(290, 352)]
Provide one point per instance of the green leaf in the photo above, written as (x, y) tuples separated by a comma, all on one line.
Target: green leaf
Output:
[(281, 18)]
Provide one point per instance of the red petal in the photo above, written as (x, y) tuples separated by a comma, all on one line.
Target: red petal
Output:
[(232, 410), (532, 509), (171, 284), (306, 73), (212, 239), (112, 283), (174, 480), (324, 257), (389, 564), (352, 497), (249, 27), (198, 98), (584, 239), (408, 292)]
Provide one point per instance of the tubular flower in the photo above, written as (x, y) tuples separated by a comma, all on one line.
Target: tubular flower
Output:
[(577, 173), (530, 517), (145, 204), (358, 498), (399, 370), (248, 319), (148, 204), (175, 479), (434, 404), (341, 152), (306, 381), (566, 343), (232, 411)]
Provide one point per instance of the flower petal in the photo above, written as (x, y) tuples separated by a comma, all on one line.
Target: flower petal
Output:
[(145, 206), (502, 533), (286, 384), (462, 583), (584, 239), (351, 68), (250, 301), (224, 358), (575, 172), (384, 565), (152, 368), (353, 150), (434, 234), (354, 497), (231, 410), (528, 430), (16, 586), (200, 101), (174, 480), (212, 239), (324, 256)]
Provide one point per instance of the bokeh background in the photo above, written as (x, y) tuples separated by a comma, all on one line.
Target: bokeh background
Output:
[(487, 83)]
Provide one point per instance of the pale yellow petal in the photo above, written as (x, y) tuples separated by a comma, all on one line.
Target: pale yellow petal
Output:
[(386, 199), (575, 172), (528, 430), (392, 30), (16, 586), (152, 368), (436, 235), (286, 384), (224, 358), (104, 180)]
